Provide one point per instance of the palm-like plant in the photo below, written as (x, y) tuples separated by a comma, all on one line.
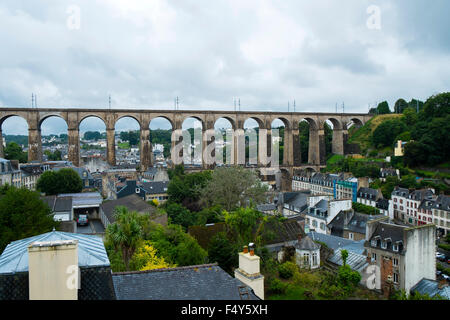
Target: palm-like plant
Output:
[(126, 233)]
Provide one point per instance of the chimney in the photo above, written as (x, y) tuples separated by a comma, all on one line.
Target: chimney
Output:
[(249, 272), (299, 237), (53, 272)]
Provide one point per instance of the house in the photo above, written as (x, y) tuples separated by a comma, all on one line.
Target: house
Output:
[(369, 196), (318, 217), (282, 235), (146, 190), (403, 255), (350, 225), (30, 173), (389, 172), (406, 205), (61, 207), (268, 208), (441, 213), (335, 243), (10, 173), (399, 149), (26, 266), (200, 282), (307, 253), (294, 202), (85, 203), (132, 203)]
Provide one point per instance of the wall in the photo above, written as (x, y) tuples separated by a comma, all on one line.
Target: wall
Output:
[(420, 258)]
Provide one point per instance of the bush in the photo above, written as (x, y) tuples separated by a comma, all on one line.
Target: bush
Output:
[(277, 286), (287, 270), (444, 246)]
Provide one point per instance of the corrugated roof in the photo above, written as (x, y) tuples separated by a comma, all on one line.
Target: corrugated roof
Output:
[(431, 288), (91, 251), (335, 243), (356, 261), (84, 199)]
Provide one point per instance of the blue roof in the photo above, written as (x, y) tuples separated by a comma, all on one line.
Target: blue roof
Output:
[(431, 288), (334, 242), (91, 251), (356, 261)]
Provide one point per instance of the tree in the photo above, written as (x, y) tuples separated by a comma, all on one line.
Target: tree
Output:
[(347, 278), (125, 234), (145, 258), (55, 156), (400, 105), (385, 133), (23, 214), (14, 152), (131, 136), (224, 252), (180, 215), (410, 116), (65, 180), (344, 255), (92, 135), (246, 225), (232, 187), (383, 108)]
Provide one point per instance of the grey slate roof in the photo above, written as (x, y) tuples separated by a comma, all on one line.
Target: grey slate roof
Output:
[(203, 282), (367, 193), (63, 204), (336, 243), (91, 251), (391, 233), (307, 244), (430, 287), (288, 231), (132, 202), (401, 192), (84, 199), (155, 187), (442, 203)]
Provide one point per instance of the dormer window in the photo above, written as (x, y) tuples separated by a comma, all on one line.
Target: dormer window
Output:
[(373, 243), (395, 247), (383, 244)]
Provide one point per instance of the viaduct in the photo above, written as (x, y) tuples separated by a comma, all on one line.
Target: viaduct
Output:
[(291, 157)]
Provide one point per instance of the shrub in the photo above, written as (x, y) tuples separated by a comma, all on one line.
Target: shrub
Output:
[(444, 246), (287, 270), (277, 286)]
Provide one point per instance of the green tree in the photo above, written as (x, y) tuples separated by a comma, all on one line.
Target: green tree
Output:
[(65, 180), (246, 225), (410, 116), (125, 234), (23, 214), (344, 255), (14, 152), (180, 215), (383, 108), (385, 133), (92, 135), (55, 156), (224, 252), (348, 279), (232, 187), (400, 105)]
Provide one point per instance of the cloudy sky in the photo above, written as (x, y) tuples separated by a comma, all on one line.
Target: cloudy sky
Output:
[(145, 53)]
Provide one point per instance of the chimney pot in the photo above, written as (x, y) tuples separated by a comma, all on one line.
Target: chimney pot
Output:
[(245, 249), (252, 251)]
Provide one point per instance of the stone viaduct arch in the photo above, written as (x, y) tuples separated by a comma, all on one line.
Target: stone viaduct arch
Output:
[(291, 120)]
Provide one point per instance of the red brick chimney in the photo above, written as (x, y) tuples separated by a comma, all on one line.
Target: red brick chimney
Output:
[(299, 237)]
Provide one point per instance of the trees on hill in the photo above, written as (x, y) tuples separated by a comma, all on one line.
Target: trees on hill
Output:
[(65, 180)]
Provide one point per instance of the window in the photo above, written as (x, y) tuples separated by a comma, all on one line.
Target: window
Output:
[(350, 236), (383, 244), (314, 223), (314, 259), (374, 257), (395, 247), (374, 243), (395, 277), (395, 262), (137, 190), (322, 226)]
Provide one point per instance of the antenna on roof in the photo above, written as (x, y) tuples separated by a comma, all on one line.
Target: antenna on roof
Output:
[(32, 100), (239, 104)]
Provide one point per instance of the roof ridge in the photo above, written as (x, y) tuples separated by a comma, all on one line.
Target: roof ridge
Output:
[(168, 269)]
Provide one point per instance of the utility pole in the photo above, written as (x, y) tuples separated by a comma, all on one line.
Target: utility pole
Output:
[(109, 102), (288, 106), (32, 100), (239, 104), (294, 105)]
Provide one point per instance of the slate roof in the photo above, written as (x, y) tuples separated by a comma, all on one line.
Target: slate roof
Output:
[(335, 243), (63, 204), (307, 244), (401, 192), (382, 204), (391, 233), (421, 194), (442, 203), (155, 187), (202, 282), (287, 231), (132, 202), (430, 287), (91, 251), (356, 261), (367, 193), (356, 224)]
